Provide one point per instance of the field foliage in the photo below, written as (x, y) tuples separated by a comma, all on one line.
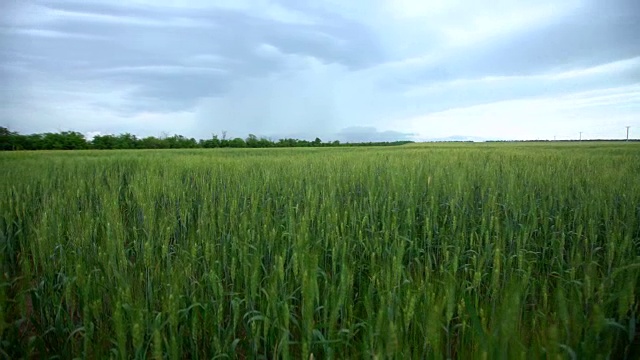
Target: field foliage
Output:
[(420, 251)]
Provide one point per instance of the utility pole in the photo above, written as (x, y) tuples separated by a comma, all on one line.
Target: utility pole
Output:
[(628, 132)]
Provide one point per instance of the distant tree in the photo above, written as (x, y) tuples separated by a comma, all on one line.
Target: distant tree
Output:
[(66, 140), (153, 143), (71, 140), (126, 141), (214, 142), (103, 142), (265, 143), (304, 143), (181, 142), (252, 141), (8, 139), (33, 142), (237, 143), (283, 143)]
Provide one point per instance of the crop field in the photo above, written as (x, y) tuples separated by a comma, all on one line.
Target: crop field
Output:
[(425, 251)]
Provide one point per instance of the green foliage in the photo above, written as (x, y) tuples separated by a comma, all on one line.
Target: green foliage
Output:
[(123, 141), (7, 137), (75, 141), (71, 140), (66, 140), (466, 251)]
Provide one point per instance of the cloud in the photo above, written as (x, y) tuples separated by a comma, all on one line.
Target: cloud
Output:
[(371, 134), (50, 34), (162, 70), (295, 101), (492, 88), (561, 117), (405, 68)]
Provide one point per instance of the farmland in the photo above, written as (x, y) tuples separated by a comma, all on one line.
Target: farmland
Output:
[(432, 251)]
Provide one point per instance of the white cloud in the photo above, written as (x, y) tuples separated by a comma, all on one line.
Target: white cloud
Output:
[(544, 118), (282, 14), (65, 15), (23, 13), (626, 65), (259, 8), (44, 33), (28, 14), (404, 9), (425, 27), (206, 59), (162, 69), (601, 75), (268, 51)]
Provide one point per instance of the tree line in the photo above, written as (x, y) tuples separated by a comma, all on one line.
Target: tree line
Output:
[(73, 140)]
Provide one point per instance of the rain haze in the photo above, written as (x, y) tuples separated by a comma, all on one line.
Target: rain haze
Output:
[(339, 70)]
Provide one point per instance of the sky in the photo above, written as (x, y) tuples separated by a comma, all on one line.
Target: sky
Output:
[(360, 70)]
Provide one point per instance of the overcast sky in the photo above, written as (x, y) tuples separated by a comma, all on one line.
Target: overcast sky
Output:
[(346, 70)]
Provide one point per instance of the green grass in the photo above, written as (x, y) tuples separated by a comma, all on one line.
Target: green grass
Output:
[(489, 251)]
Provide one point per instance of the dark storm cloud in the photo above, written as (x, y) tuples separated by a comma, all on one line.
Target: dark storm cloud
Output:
[(165, 88), (131, 45), (85, 40)]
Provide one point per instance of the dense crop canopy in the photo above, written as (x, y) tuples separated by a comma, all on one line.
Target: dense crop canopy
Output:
[(420, 251)]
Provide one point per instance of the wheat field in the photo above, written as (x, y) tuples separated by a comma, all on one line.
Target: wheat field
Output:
[(425, 251)]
